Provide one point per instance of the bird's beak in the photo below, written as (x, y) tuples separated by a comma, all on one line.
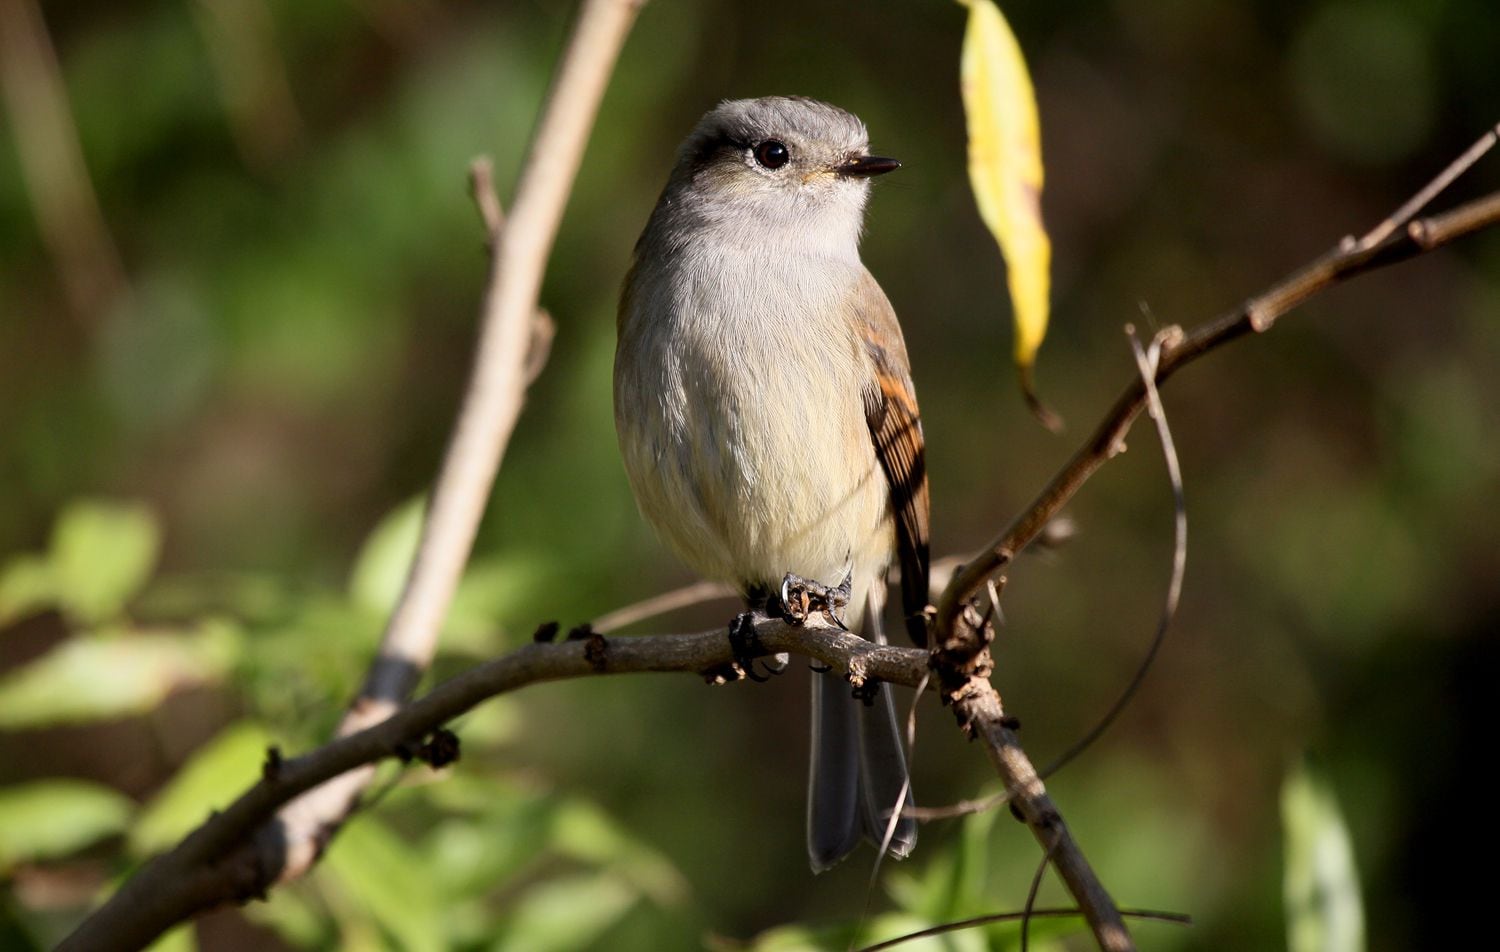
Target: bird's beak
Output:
[(867, 165)]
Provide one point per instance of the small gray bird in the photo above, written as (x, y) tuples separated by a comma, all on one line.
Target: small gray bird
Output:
[(766, 413)]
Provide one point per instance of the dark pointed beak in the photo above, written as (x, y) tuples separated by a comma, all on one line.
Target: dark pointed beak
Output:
[(866, 166)]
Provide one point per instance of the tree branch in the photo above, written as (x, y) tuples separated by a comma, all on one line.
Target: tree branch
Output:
[(217, 862), (513, 339), (214, 864), (52, 165), (1257, 315)]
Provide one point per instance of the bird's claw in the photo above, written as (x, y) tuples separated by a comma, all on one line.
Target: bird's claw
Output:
[(746, 648), (802, 597)]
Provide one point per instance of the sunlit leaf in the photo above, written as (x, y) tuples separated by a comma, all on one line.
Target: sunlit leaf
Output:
[(52, 818), (492, 588), (85, 679), (101, 555), (954, 883), (1005, 169), (184, 938), (566, 913), (216, 774), (381, 568), (583, 831), (26, 584), (841, 936), (387, 881), (1320, 885)]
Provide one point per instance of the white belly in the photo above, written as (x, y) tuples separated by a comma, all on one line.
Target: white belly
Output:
[(744, 436)]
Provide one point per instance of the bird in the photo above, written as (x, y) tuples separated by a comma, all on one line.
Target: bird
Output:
[(767, 418)]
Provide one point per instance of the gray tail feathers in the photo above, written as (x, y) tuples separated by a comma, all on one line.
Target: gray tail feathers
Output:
[(858, 772)]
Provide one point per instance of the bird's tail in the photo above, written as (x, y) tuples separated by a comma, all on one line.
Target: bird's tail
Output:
[(858, 775)]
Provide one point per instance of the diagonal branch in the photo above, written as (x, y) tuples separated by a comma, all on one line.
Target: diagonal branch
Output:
[(1257, 315), (219, 861), (510, 331), (510, 337)]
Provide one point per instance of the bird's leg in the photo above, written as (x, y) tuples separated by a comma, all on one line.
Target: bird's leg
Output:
[(801, 597), (745, 644)]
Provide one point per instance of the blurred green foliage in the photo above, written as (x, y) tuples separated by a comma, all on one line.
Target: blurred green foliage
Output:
[(206, 486)]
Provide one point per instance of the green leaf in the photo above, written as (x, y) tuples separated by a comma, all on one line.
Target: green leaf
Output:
[(492, 832), (53, 818), (566, 913), (217, 773), (385, 559), (184, 938), (293, 916), (841, 936), (86, 679), (582, 831), (954, 884), (1320, 885), (101, 555), (388, 882), (1005, 169), (492, 589), (26, 585)]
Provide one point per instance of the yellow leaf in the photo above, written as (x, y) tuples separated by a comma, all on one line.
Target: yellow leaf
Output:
[(1005, 168)]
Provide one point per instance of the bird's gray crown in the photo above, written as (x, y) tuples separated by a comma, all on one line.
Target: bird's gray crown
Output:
[(780, 172), (810, 128)]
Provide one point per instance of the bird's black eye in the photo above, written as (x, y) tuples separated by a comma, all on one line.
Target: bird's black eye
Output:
[(772, 154)]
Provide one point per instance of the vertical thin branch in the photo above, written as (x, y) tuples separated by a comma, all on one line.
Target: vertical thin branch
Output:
[(67, 210), (257, 96)]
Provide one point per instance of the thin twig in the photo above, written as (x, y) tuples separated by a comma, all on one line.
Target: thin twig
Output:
[(486, 199), (1036, 887), (240, 39), (1151, 915), (897, 810), (974, 701), (693, 594), (1257, 315), (961, 808), (1433, 189), (83, 252), (1146, 364)]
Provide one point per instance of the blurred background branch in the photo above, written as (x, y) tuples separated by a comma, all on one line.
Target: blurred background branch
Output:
[(84, 256), (259, 105)]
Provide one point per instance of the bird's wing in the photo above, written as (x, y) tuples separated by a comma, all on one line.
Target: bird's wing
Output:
[(896, 429)]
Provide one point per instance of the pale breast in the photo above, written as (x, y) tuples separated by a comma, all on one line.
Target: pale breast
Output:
[(739, 409)]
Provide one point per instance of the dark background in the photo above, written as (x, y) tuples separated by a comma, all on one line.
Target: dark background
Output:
[(283, 185)]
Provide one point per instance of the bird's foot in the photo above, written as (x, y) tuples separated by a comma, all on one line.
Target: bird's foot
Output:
[(746, 648), (803, 597), (867, 691)]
